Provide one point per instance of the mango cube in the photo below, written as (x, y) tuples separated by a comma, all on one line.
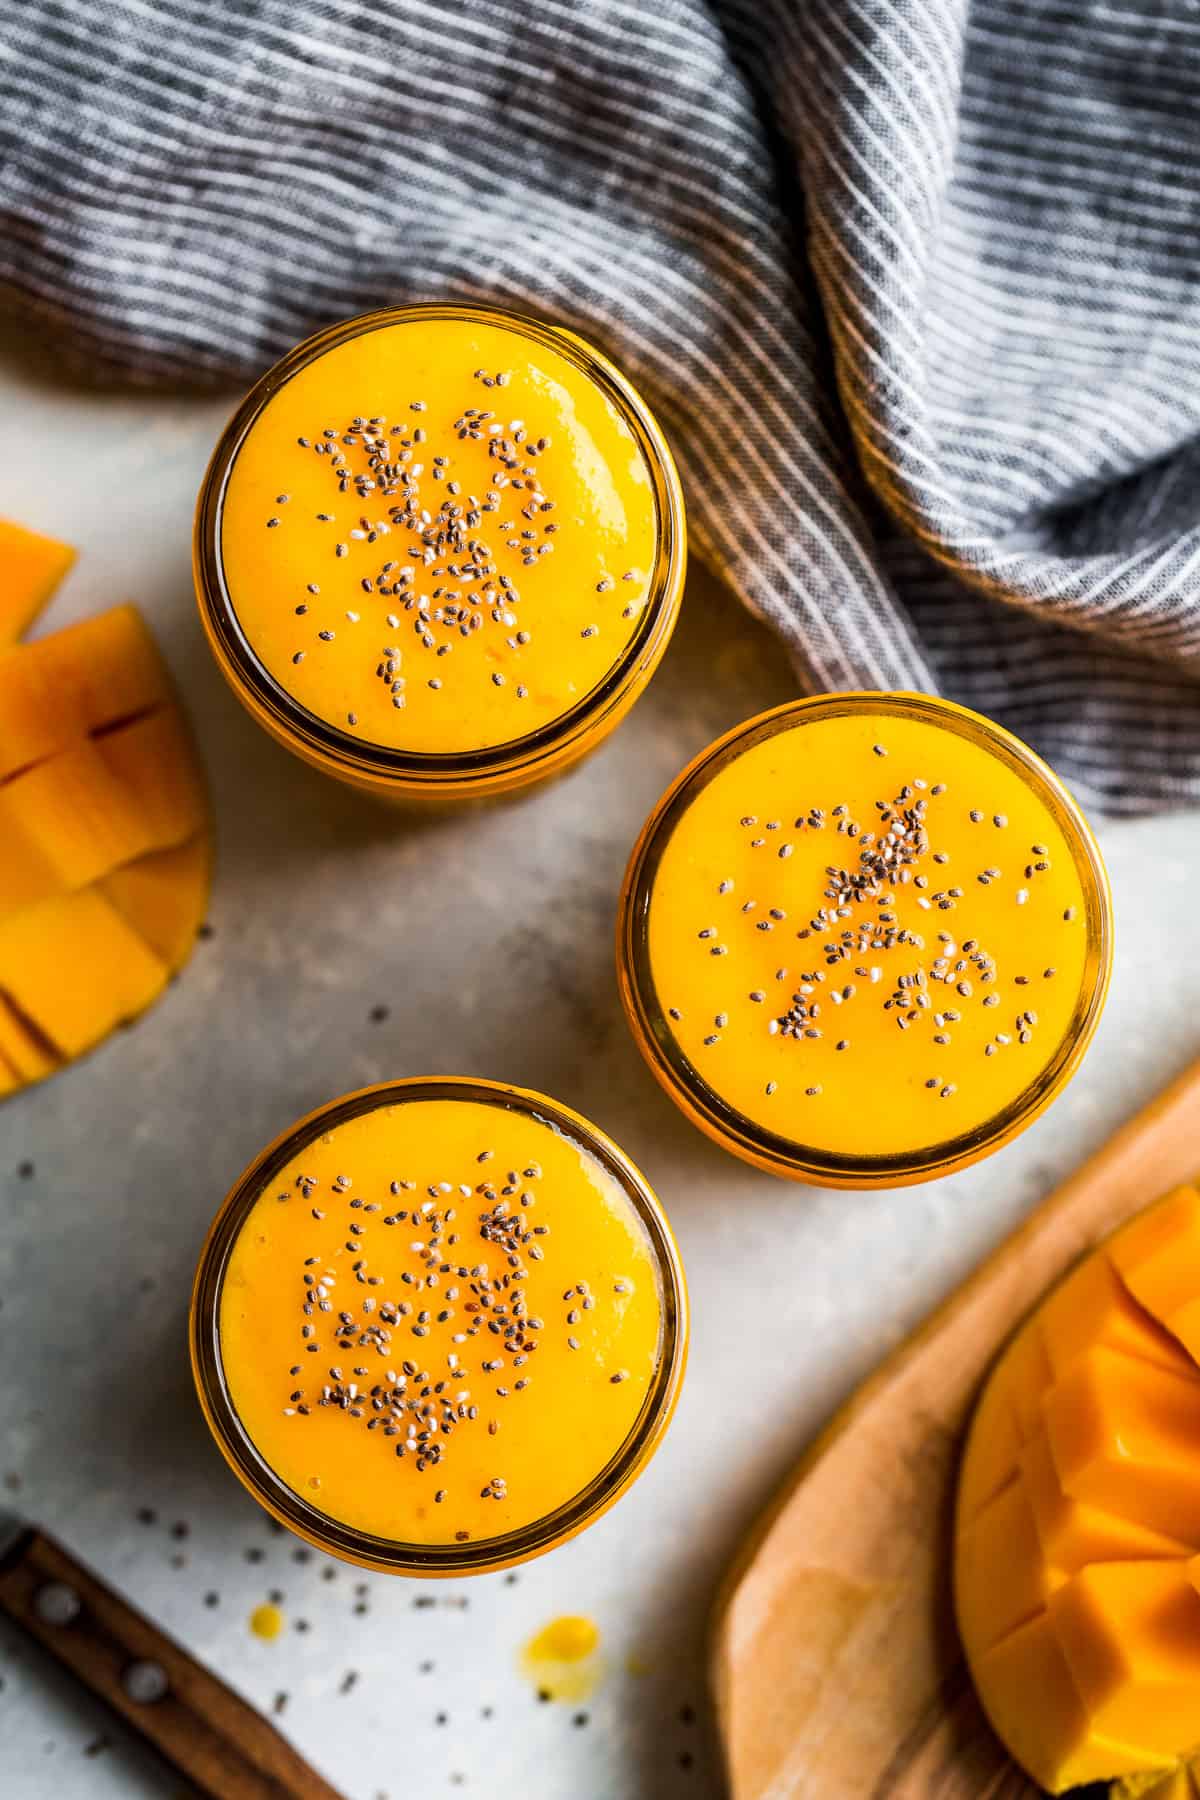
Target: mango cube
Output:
[(1072, 1535), (65, 823), (1158, 1258), (110, 974), (1123, 1436), (1130, 1633), (78, 681), (163, 896), (153, 760), (1093, 1307), (31, 567), (1034, 1705)]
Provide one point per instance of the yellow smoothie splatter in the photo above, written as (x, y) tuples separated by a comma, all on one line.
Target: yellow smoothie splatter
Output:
[(562, 1658), (266, 1622)]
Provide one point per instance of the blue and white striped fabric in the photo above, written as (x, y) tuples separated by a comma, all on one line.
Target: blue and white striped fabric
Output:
[(913, 284)]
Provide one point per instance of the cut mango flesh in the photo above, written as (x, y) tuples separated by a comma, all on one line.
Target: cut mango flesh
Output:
[(1158, 1257), (1124, 1437), (1072, 1535), (153, 760), (111, 975), (31, 567), (1077, 1554), (65, 823), (1001, 1577), (996, 1441), (1028, 1374), (1007, 1416), (1130, 1633), (1036, 1709), (1093, 1307), (81, 680), (164, 896), (104, 841)]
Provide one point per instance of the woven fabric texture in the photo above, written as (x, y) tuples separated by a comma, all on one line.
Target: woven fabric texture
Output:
[(914, 285)]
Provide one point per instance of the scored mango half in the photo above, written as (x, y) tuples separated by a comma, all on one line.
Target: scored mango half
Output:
[(1077, 1532), (104, 822)]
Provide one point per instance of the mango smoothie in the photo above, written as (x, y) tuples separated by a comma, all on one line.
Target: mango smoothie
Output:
[(865, 938), (448, 1321), (441, 533)]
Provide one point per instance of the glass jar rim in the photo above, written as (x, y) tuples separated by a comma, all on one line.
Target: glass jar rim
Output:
[(480, 1555), (725, 1123), (517, 759)]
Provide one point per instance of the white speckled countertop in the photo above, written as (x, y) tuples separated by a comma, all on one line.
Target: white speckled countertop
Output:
[(110, 1173)]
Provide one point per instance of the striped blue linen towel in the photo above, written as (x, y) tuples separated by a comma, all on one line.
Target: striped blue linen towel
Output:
[(913, 284)]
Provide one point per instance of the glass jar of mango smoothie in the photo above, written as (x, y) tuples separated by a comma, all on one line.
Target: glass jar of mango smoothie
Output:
[(439, 550), (439, 1326), (865, 939)]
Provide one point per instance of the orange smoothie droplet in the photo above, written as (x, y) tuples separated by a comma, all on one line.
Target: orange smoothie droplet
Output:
[(266, 1621), (562, 1660)]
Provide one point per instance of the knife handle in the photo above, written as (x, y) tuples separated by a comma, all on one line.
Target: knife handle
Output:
[(208, 1733)]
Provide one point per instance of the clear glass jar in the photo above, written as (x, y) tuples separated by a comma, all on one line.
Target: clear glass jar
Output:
[(480, 1554), (473, 774), (729, 1126)]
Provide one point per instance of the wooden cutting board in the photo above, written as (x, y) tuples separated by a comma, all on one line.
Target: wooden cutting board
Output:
[(836, 1666)]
